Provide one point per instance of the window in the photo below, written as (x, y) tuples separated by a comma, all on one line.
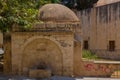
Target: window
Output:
[(85, 45), (111, 45)]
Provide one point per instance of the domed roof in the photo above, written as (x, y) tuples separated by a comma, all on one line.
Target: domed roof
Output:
[(56, 13)]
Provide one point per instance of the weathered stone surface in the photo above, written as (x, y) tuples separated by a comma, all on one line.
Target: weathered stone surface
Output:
[(40, 73), (100, 25), (55, 49)]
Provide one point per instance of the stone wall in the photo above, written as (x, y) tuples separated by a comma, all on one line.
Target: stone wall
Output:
[(100, 25), (54, 48), (98, 68)]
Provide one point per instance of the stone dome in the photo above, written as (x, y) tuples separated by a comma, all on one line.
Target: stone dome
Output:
[(56, 13)]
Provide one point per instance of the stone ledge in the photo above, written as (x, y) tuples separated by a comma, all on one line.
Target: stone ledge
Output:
[(40, 73)]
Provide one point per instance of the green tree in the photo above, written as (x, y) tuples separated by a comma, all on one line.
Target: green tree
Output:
[(79, 4), (20, 12), (55, 1)]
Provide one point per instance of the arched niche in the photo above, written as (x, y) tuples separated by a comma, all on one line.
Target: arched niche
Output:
[(42, 53)]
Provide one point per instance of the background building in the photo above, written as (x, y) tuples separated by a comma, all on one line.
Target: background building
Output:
[(101, 29)]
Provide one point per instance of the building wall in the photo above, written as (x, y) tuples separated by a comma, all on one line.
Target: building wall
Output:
[(100, 25)]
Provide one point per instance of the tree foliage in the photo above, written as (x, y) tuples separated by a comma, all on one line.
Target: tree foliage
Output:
[(20, 12), (79, 4), (84, 4)]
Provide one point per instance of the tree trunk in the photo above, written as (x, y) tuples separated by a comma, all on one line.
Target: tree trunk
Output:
[(7, 53)]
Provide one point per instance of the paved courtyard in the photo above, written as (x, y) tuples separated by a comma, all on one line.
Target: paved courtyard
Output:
[(55, 78)]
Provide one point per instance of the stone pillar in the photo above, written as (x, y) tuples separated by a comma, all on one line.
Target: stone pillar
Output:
[(7, 53), (77, 59)]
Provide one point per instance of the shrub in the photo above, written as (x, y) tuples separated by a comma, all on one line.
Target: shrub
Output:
[(88, 54)]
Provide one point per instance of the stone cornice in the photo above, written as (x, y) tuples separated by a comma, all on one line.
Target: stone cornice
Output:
[(48, 27)]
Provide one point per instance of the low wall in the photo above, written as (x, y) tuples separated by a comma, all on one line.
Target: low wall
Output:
[(98, 68)]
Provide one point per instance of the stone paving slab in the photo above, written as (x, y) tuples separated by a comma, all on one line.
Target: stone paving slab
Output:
[(98, 79), (54, 78)]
